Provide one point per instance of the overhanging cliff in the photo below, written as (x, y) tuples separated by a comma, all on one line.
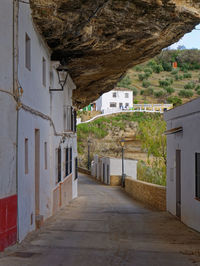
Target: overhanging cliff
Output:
[(99, 40)]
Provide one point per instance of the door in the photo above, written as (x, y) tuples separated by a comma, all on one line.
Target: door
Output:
[(108, 175), (37, 172), (178, 183), (104, 173)]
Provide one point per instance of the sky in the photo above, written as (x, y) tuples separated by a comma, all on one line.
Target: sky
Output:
[(189, 40)]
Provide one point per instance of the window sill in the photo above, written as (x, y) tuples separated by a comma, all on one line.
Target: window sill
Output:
[(198, 199)]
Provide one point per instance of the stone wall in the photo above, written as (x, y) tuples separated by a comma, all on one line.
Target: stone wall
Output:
[(84, 171), (147, 193), (115, 180)]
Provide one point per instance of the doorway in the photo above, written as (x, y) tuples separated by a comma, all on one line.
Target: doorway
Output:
[(178, 183), (37, 172)]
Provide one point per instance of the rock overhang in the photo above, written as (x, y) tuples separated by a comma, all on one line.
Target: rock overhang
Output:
[(100, 40)]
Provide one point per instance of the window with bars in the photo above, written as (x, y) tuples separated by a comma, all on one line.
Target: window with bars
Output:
[(197, 175), (27, 52), (44, 71), (66, 162), (70, 160), (70, 118), (76, 168), (59, 167)]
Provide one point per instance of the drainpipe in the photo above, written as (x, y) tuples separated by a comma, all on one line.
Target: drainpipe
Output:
[(15, 89)]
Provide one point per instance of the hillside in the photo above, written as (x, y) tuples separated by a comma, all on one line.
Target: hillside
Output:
[(143, 134), (157, 81)]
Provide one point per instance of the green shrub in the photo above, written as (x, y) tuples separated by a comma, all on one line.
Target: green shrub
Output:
[(197, 88), (165, 83), (185, 93), (189, 86), (159, 94), (141, 77), (176, 77), (198, 92), (146, 83), (174, 100), (166, 66), (135, 101), (187, 75), (151, 63), (138, 68), (174, 72), (148, 70), (169, 90), (135, 91), (125, 82), (157, 68)]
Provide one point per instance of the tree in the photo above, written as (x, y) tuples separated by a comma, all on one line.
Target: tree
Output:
[(152, 137)]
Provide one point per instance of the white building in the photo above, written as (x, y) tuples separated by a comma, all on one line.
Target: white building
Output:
[(38, 146), (115, 100), (107, 168), (183, 162)]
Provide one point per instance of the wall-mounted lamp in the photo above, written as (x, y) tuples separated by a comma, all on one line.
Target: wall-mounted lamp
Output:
[(63, 73)]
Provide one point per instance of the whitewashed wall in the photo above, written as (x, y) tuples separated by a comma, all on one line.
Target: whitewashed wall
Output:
[(103, 103), (38, 97), (8, 114), (187, 116)]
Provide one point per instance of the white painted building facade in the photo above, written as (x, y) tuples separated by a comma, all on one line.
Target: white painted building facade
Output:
[(103, 168), (183, 162), (115, 100), (38, 144)]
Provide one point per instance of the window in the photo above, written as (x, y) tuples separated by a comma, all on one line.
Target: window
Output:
[(66, 162), (114, 94), (44, 72), (59, 164), (127, 105), (26, 156), (126, 95), (70, 160), (45, 155), (70, 119), (113, 105), (197, 175), (76, 168), (28, 52)]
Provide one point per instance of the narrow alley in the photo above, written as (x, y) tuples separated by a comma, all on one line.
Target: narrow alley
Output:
[(104, 226)]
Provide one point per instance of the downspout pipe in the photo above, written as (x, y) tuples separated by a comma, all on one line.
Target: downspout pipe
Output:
[(15, 91)]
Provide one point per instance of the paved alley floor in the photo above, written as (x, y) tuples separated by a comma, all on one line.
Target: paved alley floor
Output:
[(104, 227)]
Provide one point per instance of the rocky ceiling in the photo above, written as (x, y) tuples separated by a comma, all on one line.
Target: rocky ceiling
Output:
[(99, 40)]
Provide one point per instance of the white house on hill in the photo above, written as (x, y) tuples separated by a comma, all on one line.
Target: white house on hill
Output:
[(183, 162), (115, 100)]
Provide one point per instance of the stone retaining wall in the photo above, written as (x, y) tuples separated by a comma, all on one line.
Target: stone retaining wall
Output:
[(84, 171), (150, 194), (115, 180)]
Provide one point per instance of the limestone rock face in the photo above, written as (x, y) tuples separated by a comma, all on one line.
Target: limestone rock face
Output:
[(99, 40)]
